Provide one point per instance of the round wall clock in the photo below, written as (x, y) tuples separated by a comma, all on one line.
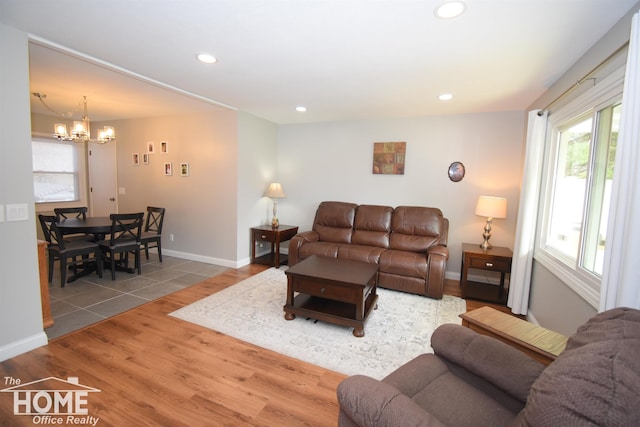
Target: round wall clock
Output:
[(456, 171)]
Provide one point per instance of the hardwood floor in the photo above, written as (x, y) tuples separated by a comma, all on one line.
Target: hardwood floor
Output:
[(153, 369)]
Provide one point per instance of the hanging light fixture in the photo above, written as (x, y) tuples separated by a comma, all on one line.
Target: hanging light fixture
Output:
[(81, 131)]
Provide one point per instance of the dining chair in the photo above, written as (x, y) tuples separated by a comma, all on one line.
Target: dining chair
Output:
[(76, 212), (64, 213), (124, 239), (152, 233), (63, 250)]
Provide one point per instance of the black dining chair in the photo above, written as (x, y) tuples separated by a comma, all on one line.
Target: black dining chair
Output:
[(61, 249), (77, 212), (152, 233), (124, 239), (64, 213)]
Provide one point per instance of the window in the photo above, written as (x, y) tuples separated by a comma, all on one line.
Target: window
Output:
[(577, 190), (55, 171)]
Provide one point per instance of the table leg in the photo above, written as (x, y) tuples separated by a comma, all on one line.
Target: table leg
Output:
[(289, 316)]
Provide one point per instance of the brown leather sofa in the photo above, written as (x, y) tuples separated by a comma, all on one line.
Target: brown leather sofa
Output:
[(475, 380), (409, 243)]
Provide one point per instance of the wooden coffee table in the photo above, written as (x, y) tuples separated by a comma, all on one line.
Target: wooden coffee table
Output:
[(332, 290)]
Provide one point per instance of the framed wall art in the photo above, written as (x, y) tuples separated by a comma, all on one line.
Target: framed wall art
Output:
[(151, 148), (164, 147), (389, 157), (145, 158), (135, 159), (184, 169), (168, 169)]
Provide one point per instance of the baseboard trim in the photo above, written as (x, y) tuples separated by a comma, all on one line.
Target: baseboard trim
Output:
[(206, 259), (23, 345)]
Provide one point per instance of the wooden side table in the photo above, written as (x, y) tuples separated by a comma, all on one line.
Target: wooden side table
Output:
[(537, 342), (275, 236), (496, 259)]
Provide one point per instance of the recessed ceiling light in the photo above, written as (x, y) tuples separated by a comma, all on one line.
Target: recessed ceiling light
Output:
[(450, 9), (301, 109), (445, 97), (206, 58)]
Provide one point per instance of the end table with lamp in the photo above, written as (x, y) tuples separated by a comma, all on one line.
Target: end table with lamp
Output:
[(275, 236), (484, 258)]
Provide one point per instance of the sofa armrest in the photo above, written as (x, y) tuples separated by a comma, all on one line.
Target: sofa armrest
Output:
[(496, 362), (369, 402), (437, 267), (297, 241)]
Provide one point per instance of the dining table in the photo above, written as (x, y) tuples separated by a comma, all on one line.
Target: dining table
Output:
[(100, 227)]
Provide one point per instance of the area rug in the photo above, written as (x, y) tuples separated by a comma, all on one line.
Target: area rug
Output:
[(399, 330)]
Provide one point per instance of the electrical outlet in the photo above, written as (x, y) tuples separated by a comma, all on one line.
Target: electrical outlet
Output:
[(171, 237)]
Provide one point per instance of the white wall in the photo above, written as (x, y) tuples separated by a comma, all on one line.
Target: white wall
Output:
[(333, 161), (21, 327), (257, 166)]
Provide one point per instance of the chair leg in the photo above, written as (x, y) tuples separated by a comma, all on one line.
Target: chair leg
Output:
[(98, 256), (51, 261), (113, 265), (159, 246), (63, 271), (146, 250)]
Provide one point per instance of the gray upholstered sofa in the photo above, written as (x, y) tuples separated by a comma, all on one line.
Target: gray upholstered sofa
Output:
[(475, 380), (408, 243)]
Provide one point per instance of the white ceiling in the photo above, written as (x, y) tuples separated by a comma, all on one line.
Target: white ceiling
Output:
[(342, 59)]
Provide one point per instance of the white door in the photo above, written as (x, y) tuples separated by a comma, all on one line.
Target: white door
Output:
[(103, 182)]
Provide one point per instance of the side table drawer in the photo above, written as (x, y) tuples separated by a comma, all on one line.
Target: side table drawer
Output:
[(490, 264), (264, 235)]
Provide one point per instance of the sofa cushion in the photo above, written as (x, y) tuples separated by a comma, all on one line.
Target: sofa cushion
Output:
[(334, 221), (326, 249), (370, 254), (415, 228), (403, 263), (596, 380), (437, 387), (372, 226)]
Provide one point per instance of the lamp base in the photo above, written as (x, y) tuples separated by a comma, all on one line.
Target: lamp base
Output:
[(487, 235), (275, 223)]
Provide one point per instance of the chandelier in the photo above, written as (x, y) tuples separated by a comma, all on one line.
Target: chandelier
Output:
[(81, 131)]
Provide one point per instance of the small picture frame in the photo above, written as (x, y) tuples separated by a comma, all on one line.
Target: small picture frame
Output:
[(168, 169), (145, 158), (184, 169), (151, 148), (164, 147), (456, 171), (135, 159)]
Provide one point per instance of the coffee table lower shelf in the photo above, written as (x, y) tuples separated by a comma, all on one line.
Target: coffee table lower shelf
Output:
[(331, 311)]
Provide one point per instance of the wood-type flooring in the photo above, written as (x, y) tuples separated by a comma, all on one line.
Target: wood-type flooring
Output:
[(155, 370)]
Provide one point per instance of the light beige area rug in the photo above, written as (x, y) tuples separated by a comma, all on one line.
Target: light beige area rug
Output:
[(399, 330)]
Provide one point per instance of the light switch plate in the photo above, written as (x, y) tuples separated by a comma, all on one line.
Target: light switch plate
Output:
[(17, 212)]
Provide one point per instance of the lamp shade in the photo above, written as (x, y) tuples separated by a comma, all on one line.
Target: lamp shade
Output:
[(275, 191), (491, 207)]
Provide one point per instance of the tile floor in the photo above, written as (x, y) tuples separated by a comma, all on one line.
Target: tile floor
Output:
[(91, 299)]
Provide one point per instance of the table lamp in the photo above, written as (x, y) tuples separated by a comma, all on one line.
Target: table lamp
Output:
[(274, 192), (490, 207)]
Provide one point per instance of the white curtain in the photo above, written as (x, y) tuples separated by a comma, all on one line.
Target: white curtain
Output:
[(621, 277), (520, 279)]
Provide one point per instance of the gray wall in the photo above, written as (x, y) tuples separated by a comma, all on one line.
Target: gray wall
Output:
[(20, 311), (333, 161)]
